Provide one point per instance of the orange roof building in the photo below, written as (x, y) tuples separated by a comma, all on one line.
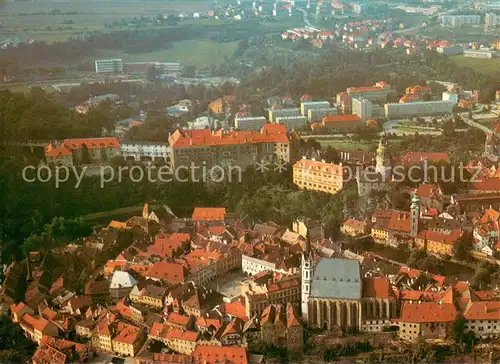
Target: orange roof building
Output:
[(208, 214), (205, 354), (98, 149)]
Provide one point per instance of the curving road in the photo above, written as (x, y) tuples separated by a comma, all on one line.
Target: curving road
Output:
[(305, 16)]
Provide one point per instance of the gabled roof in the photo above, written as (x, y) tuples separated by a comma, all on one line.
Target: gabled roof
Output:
[(377, 287), (337, 278), (428, 312), (483, 310), (205, 354), (208, 214)]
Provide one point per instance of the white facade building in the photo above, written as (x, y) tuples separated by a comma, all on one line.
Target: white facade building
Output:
[(491, 20), (276, 113), (109, 65), (297, 122), (317, 115), (251, 265), (421, 108), (455, 21), (145, 150), (249, 122), (362, 107), (480, 53), (450, 96), (306, 106)]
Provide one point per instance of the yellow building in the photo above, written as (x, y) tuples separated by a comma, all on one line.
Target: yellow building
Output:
[(439, 242), (318, 176), (181, 341)]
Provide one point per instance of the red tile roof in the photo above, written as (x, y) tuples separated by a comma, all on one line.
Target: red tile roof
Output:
[(57, 151), (207, 322), (400, 221), (427, 190), (491, 184), (127, 334), (34, 323), (183, 335), (483, 310), (17, 308), (204, 354), (177, 319), (376, 287), (166, 244), (208, 214), (428, 312), (49, 355), (450, 239), (92, 143), (352, 90), (417, 157), (276, 133), (171, 272), (235, 308)]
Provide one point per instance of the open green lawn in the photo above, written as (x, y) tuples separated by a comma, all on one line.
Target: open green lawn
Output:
[(197, 53), (347, 145), (478, 64)]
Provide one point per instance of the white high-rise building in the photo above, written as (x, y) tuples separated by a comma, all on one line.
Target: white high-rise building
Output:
[(491, 20), (362, 107), (307, 267)]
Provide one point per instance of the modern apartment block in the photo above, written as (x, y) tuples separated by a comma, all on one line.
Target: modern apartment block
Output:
[(362, 107), (297, 122), (249, 122), (479, 53), (318, 176), (316, 115), (377, 93), (405, 110), (109, 65), (276, 113), (305, 106), (455, 21), (237, 148)]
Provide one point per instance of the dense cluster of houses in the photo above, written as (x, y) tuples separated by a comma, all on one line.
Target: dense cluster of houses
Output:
[(157, 295)]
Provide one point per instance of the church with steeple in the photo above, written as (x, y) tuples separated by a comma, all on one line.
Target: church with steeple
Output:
[(378, 178)]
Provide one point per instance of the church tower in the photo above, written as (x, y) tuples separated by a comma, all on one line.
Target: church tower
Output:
[(383, 162), (307, 274), (414, 215)]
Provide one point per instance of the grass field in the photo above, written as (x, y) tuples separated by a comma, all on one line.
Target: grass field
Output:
[(197, 53), (478, 64), (347, 145)]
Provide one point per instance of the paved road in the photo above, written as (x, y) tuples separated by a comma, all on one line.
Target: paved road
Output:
[(305, 16), (474, 124)]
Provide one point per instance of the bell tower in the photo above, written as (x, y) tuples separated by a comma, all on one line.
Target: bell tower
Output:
[(414, 215), (382, 160), (307, 273)]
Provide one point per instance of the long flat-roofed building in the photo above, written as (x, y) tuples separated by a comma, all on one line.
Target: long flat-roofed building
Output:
[(341, 123), (109, 65), (305, 106), (318, 176), (316, 115), (297, 122), (276, 113), (405, 110)]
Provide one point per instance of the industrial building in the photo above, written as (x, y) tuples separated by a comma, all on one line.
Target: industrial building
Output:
[(109, 66)]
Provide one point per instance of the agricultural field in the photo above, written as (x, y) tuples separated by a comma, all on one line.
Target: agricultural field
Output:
[(25, 20), (196, 52), (478, 64)]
